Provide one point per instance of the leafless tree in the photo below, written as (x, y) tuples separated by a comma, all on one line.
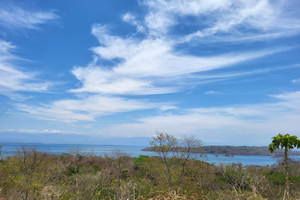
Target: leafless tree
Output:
[(121, 158), (189, 148), (165, 144)]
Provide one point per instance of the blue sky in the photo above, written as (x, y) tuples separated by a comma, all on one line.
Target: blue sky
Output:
[(226, 71)]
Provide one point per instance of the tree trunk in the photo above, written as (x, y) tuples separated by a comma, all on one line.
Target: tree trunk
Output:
[(168, 174), (286, 195)]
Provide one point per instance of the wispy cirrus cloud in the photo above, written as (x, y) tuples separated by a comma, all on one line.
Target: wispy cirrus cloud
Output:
[(85, 108), (15, 79), (131, 19), (150, 65), (296, 80), (212, 92), (19, 18), (36, 131), (153, 65), (232, 74), (234, 20)]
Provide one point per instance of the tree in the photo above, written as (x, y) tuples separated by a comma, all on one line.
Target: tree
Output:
[(170, 148), (1, 155), (120, 158), (165, 144), (286, 142), (189, 147)]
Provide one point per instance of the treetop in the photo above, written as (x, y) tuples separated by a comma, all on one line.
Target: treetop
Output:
[(286, 141)]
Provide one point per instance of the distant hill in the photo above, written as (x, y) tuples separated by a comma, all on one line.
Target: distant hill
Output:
[(236, 150)]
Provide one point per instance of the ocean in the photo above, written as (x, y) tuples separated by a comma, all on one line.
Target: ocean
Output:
[(9, 149)]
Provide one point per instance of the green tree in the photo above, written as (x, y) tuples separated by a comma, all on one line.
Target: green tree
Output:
[(286, 142)]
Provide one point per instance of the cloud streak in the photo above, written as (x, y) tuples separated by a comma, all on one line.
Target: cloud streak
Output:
[(18, 18), (256, 122), (84, 109), (295, 80), (154, 65), (36, 131), (149, 66), (14, 79)]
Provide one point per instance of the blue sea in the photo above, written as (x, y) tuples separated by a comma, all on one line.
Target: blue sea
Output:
[(134, 151)]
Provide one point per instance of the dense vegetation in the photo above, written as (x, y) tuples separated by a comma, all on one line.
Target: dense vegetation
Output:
[(32, 175), (237, 150), (36, 175)]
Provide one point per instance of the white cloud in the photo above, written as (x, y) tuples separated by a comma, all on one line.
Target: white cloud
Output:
[(211, 92), (15, 17), (97, 80), (153, 65), (159, 60), (148, 66), (167, 107), (253, 13), (131, 19), (241, 20), (251, 124), (36, 131), (243, 37), (159, 22), (223, 76), (84, 109), (162, 14), (296, 80), (5, 49), (12, 78)]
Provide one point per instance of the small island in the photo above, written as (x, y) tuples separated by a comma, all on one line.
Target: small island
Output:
[(234, 150)]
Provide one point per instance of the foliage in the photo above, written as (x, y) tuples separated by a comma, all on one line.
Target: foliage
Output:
[(284, 141), (34, 175)]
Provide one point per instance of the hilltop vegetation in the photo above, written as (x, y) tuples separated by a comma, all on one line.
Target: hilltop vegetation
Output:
[(34, 175)]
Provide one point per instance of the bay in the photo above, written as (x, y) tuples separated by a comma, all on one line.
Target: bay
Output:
[(9, 149)]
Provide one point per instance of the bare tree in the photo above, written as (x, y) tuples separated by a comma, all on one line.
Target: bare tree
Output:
[(76, 159), (27, 161), (1, 154), (189, 148), (120, 159), (165, 145)]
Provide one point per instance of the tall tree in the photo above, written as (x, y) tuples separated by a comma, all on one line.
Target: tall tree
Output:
[(169, 147), (165, 145), (189, 147), (286, 142)]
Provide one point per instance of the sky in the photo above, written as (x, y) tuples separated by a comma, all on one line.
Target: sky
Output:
[(227, 72)]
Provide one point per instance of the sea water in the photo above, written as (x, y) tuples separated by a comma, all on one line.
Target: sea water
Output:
[(9, 149)]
